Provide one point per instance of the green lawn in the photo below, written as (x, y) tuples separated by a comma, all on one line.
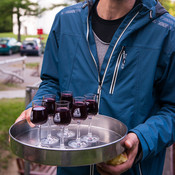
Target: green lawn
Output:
[(32, 65), (10, 109), (8, 85), (45, 36)]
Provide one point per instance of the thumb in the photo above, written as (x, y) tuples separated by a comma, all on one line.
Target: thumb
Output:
[(131, 141), (128, 144)]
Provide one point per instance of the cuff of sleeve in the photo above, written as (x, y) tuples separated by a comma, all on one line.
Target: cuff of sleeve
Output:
[(143, 144)]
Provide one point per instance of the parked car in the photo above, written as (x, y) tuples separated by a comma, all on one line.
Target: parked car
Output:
[(31, 46), (9, 46)]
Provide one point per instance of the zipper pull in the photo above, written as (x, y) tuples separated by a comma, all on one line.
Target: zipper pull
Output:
[(124, 54), (98, 95), (98, 91)]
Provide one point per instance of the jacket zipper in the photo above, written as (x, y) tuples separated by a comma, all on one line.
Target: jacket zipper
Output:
[(99, 87), (101, 82), (122, 54), (140, 171), (124, 59)]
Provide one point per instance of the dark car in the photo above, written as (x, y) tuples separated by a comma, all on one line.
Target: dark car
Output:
[(9, 46), (31, 46)]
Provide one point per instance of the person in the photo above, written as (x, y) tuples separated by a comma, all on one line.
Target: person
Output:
[(124, 51)]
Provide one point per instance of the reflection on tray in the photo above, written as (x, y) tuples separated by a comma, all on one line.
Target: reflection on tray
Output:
[(30, 137)]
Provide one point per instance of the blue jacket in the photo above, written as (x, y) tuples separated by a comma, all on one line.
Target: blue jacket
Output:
[(136, 84)]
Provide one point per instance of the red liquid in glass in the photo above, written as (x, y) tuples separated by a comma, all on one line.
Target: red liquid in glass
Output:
[(92, 107), (79, 111), (49, 103), (62, 116), (39, 115), (67, 97)]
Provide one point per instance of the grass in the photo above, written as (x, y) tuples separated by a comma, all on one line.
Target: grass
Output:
[(10, 109), (32, 65), (7, 85), (44, 36)]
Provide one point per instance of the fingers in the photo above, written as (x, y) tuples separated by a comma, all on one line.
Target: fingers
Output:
[(131, 143), (101, 170), (114, 170), (25, 115), (105, 169), (128, 144), (21, 117)]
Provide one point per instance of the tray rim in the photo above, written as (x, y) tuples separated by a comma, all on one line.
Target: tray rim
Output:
[(67, 149)]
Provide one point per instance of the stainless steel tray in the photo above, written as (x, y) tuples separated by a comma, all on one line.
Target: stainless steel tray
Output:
[(23, 139)]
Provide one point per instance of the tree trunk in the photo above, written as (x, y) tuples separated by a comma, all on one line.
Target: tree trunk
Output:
[(19, 25)]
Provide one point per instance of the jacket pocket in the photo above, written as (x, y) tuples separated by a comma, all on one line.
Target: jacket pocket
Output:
[(120, 61)]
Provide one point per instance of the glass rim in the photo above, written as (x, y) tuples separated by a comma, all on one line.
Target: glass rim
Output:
[(62, 102), (37, 102), (66, 92), (49, 95), (90, 94), (79, 97)]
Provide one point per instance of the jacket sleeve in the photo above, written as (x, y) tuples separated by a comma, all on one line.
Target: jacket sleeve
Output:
[(49, 72), (158, 131)]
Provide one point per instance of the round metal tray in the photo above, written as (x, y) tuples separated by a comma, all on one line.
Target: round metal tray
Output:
[(23, 139)]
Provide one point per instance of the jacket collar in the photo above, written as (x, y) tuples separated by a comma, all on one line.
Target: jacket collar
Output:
[(151, 5)]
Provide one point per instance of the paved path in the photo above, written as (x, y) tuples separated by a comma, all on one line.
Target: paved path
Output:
[(12, 94)]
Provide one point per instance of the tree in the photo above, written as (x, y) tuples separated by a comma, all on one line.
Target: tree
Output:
[(20, 8), (5, 19), (5, 23), (169, 6)]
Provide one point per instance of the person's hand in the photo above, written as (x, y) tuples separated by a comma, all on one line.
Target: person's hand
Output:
[(130, 143), (25, 115)]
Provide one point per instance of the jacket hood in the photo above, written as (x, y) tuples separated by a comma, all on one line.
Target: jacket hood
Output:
[(152, 5)]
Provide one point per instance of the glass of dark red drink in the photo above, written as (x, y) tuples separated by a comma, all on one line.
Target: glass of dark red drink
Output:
[(79, 113), (38, 116), (62, 117), (67, 96), (92, 109), (49, 103)]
